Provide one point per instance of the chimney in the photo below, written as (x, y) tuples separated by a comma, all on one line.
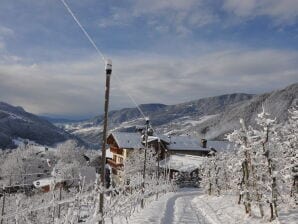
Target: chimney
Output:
[(204, 143)]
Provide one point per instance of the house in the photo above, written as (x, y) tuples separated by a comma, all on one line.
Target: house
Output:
[(123, 143)]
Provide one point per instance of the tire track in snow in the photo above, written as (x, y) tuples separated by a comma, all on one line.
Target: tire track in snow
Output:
[(180, 210)]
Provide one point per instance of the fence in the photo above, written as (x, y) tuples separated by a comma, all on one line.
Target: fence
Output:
[(80, 204)]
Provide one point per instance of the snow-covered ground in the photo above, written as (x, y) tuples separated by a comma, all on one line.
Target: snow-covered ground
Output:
[(191, 206), (169, 208), (224, 209)]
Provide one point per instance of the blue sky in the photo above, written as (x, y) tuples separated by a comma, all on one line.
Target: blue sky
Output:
[(164, 51)]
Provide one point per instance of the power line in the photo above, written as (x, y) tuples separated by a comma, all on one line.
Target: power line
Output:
[(130, 97), (84, 31), (102, 56)]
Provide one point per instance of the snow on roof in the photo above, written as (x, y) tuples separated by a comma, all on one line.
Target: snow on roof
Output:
[(134, 141), (152, 138), (128, 140), (220, 145), (185, 143), (182, 163)]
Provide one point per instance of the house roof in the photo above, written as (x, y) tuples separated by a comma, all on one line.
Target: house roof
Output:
[(134, 140), (220, 145), (185, 143), (128, 140)]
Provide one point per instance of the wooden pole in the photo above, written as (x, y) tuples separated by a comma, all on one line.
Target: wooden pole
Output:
[(158, 158), (60, 197), (144, 170), (104, 137), (3, 206)]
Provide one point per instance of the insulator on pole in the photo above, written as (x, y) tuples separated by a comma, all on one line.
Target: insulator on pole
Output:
[(108, 66)]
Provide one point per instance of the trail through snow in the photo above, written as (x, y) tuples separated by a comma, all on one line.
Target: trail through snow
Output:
[(191, 206), (172, 208)]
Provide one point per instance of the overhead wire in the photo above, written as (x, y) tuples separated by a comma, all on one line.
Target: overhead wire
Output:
[(103, 58), (100, 54), (84, 30)]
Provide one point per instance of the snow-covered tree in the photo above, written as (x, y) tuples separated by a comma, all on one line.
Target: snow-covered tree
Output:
[(289, 142), (264, 155), (243, 139), (134, 164), (15, 165), (70, 160)]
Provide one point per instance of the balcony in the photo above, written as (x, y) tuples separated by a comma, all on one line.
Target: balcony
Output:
[(116, 150), (115, 165)]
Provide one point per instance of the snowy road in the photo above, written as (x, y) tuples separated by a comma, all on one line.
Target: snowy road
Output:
[(191, 206), (173, 208), (179, 209)]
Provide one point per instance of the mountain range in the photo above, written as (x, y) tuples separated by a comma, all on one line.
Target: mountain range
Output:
[(210, 118), (16, 123)]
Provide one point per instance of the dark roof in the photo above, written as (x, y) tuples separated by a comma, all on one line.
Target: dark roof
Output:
[(221, 145), (128, 140), (134, 141), (185, 143)]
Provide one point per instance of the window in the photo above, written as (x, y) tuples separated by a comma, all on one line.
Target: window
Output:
[(120, 160), (114, 158)]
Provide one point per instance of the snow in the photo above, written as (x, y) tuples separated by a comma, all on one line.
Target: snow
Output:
[(128, 140), (220, 145), (191, 206), (15, 116), (201, 120), (182, 163), (185, 143), (33, 145), (171, 208), (224, 209), (88, 130)]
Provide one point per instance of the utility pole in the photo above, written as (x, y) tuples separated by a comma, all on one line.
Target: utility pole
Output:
[(104, 137), (60, 197), (3, 205), (158, 158), (144, 170)]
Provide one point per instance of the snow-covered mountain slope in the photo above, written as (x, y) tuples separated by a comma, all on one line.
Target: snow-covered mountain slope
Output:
[(164, 118), (211, 117), (16, 122), (276, 103)]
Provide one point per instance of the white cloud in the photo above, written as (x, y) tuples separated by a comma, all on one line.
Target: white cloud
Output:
[(141, 7), (172, 15), (183, 17), (281, 11), (77, 87), (5, 31), (2, 45)]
